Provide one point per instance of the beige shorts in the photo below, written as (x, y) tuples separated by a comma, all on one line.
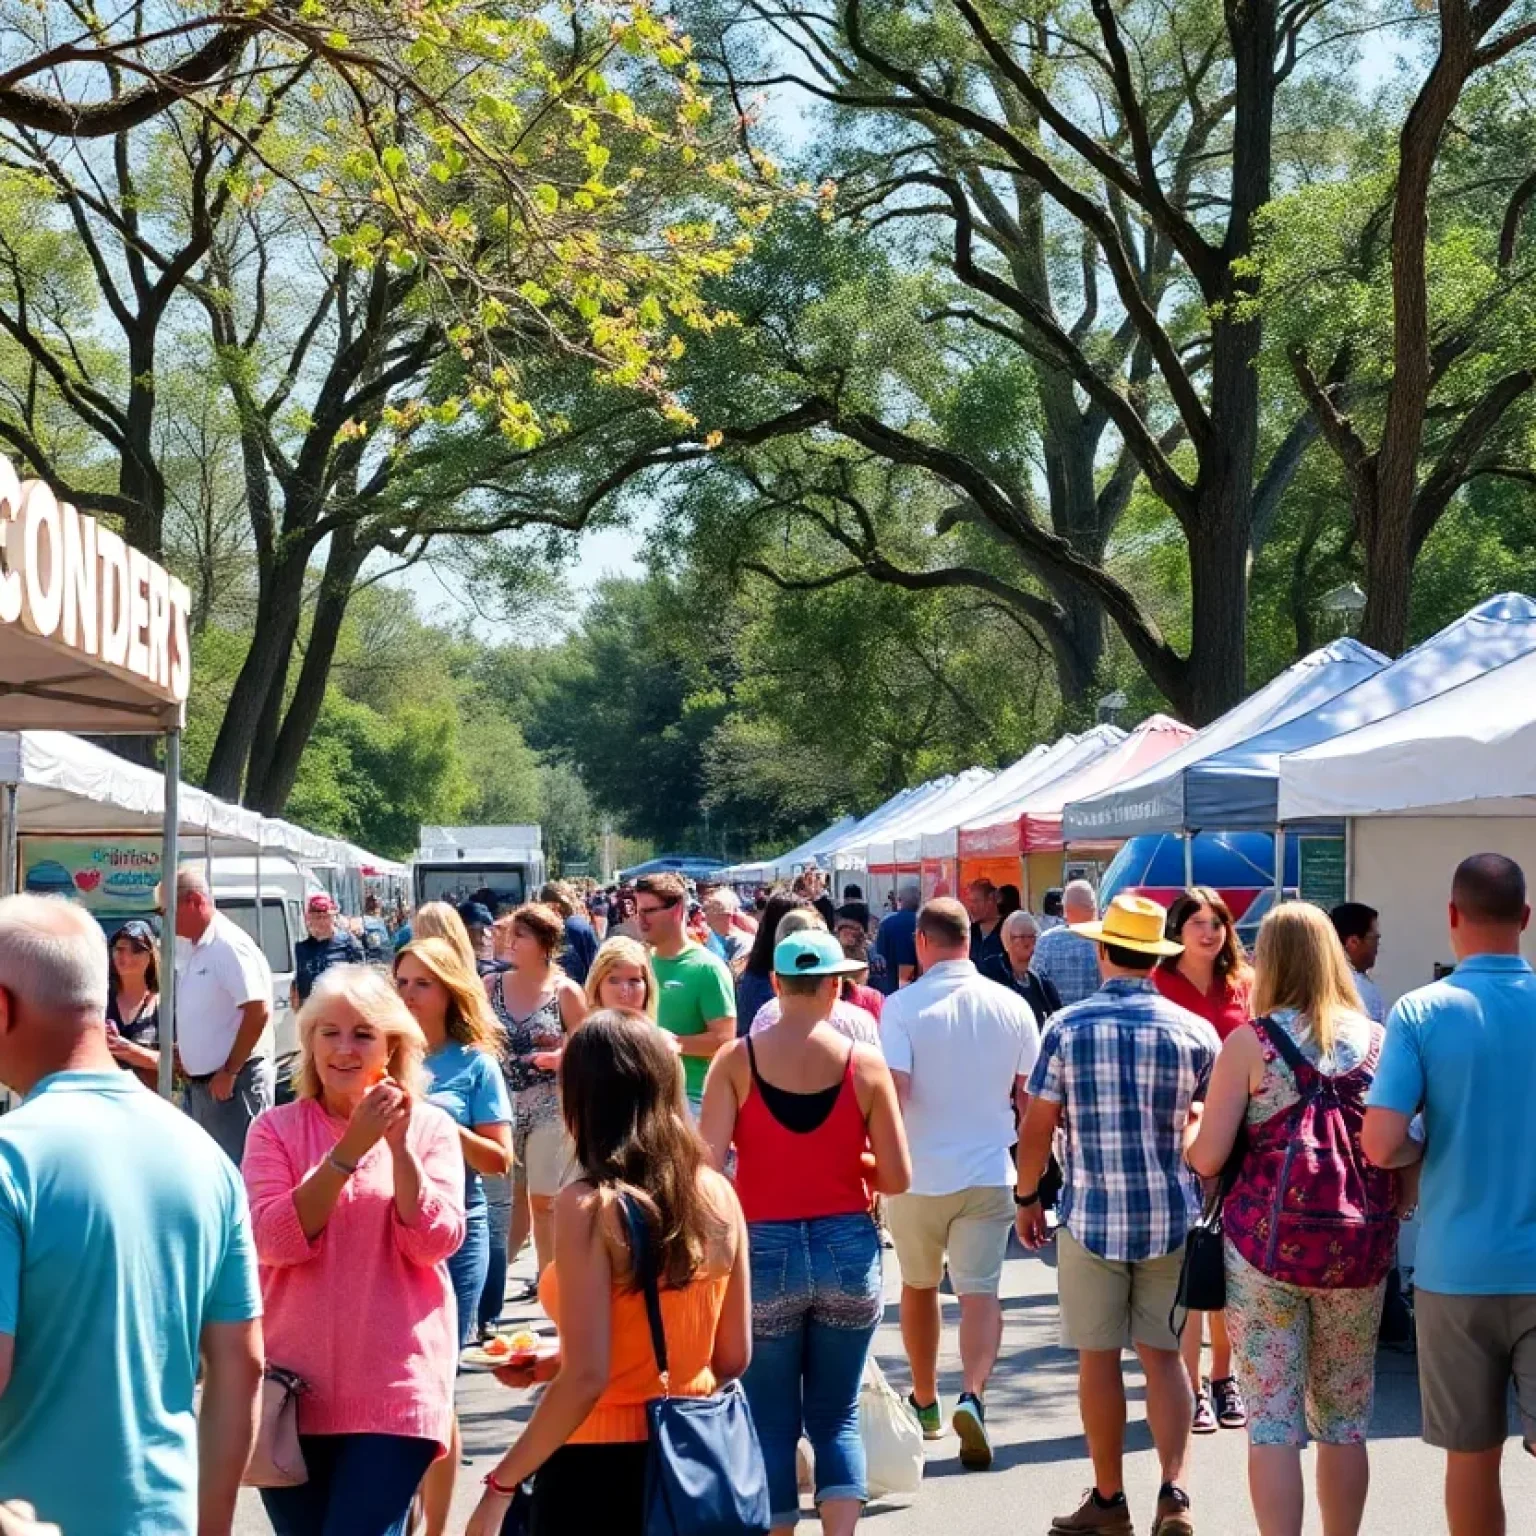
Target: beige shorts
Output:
[(1471, 1350), (546, 1158), (971, 1226), (1110, 1305)]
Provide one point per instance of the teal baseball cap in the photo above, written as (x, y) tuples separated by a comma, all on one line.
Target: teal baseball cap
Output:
[(812, 953)]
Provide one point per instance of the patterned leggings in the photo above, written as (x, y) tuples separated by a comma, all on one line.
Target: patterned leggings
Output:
[(1306, 1359)]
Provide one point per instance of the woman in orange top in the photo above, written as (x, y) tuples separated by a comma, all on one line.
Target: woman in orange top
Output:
[(622, 1099)]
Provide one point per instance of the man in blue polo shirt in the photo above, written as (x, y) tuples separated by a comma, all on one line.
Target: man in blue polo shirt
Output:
[(1463, 1052), (896, 941), (125, 1254)]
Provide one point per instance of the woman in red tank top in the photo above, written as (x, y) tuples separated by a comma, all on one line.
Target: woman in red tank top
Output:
[(816, 1128)]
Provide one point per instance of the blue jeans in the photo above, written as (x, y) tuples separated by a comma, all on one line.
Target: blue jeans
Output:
[(467, 1270), (498, 1210), (359, 1485), (816, 1301)]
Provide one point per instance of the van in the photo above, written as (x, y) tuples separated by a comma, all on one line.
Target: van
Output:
[(277, 924)]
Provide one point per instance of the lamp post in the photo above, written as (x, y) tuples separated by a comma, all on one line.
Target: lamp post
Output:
[(1111, 707), (1344, 605)]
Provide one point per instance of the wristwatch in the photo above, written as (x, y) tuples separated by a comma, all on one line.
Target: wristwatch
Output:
[(1025, 1201)]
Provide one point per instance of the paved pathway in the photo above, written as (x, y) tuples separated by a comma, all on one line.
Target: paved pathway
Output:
[(1041, 1466)]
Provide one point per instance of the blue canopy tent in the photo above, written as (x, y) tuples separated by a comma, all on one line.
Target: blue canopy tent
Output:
[(1154, 801), (690, 866), (1240, 787)]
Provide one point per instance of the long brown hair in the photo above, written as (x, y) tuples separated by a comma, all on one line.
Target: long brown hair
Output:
[(1299, 963), (151, 974), (469, 1019), (1231, 963), (621, 1089)]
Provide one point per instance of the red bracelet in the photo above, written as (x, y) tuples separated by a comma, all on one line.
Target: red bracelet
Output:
[(505, 1490)]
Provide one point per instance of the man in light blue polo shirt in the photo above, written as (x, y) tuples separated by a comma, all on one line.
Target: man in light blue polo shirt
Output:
[(125, 1253), (1463, 1051)]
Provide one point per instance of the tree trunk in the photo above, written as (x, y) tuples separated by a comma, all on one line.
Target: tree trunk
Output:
[(138, 476), (278, 603), (269, 720), (270, 793)]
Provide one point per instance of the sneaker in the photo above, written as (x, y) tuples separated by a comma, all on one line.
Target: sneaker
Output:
[(1095, 1519), (930, 1418), (1173, 1518), (1231, 1411), (1205, 1415), (970, 1423)]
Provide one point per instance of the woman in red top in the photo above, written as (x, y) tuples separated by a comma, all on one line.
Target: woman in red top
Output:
[(815, 1124), (1213, 979)]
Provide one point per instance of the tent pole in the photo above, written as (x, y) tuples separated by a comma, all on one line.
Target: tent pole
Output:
[(168, 902), (7, 839), (1189, 859), (1349, 859), (1279, 865), (261, 910), (208, 853)]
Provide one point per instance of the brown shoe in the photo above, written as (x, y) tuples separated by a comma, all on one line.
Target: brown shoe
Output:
[(1092, 1519), (1173, 1517)]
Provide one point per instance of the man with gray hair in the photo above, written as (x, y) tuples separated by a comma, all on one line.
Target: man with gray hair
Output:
[(223, 1016), (125, 1256), (896, 940), (1066, 959)]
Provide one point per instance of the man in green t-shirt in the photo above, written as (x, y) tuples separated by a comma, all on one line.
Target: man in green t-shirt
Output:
[(696, 998)]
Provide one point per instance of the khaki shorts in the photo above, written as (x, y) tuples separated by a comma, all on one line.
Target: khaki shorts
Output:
[(1470, 1350), (1106, 1304), (546, 1158), (971, 1226)]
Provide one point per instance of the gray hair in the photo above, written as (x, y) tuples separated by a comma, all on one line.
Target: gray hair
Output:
[(191, 881), (722, 899), (910, 893), (798, 920), (53, 955), (1080, 895), (1017, 920)]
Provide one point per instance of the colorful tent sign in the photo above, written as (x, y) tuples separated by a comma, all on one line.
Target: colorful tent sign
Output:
[(109, 876)]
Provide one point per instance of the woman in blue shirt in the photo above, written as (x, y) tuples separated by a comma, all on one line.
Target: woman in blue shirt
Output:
[(447, 999)]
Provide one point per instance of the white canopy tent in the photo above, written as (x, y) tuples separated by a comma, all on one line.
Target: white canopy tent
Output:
[(1418, 792)]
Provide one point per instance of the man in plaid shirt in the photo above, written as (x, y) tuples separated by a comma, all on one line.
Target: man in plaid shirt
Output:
[(1123, 1074), (1063, 956)]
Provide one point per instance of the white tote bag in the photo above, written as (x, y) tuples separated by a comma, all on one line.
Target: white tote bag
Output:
[(893, 1439)]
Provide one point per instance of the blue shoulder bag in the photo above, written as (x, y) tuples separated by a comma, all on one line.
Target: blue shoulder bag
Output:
[(704, 1473)]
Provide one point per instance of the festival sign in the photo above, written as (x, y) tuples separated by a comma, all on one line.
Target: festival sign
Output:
[(109, 876), (75, 585)]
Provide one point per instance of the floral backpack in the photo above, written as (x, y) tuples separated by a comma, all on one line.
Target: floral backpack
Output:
[(1307, 1208)]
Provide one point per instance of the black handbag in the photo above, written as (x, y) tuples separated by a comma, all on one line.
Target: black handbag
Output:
[(704, 1473), (1203, 1274)]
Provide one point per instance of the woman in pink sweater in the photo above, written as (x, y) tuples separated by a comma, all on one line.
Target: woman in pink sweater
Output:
[(357, 1203)]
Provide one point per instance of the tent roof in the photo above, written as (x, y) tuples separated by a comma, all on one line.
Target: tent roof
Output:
[(65, 785), (824, 840), (1470, 751), (850, 845), (959, 789), (1039, 818), (1154, 801), (1069, 753), (44, 685), (1240, 787), (942, 841)]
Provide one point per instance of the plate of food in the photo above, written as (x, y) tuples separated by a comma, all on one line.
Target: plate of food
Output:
[(521, 1347)]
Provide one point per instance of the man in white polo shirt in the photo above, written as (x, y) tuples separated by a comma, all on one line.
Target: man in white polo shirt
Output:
[(223, 1017), (959, 1047)]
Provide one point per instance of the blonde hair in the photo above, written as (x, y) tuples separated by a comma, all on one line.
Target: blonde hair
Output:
[(617, 951), (371, 996), (469, 1020), (1299, 963), (437, 920)]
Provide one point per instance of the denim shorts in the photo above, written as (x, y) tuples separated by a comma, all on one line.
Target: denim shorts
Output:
[(816, 1301)]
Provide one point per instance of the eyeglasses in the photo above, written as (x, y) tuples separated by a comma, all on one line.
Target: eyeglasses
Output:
[(665, 906)]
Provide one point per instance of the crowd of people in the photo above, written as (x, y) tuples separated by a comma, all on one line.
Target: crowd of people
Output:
[(749, 1101)]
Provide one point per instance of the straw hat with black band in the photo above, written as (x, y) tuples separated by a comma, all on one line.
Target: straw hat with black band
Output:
[(1134, 923)]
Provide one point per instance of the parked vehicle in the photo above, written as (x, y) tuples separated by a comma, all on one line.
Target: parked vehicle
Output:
[(502, 866)]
